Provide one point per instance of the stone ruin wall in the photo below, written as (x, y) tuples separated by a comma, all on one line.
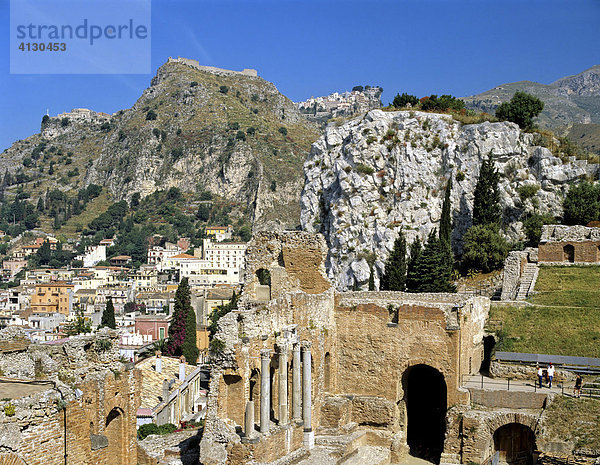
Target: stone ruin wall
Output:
[(350, 334), (556, 240), (212, 69), (101, 406)]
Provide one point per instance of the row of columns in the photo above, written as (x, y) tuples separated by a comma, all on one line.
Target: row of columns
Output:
[(301, 389)]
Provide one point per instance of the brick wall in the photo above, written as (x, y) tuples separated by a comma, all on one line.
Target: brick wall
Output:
[(583, 252)]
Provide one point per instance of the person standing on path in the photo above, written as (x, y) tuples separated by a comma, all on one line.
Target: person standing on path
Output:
[(540, 374), (577, 388), (550, 374)]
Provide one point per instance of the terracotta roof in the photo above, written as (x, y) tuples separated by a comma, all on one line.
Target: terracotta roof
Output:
[(121, 257), (183, 255), (152, 382)]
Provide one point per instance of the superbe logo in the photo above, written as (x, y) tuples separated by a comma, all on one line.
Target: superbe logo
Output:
[(80, 36)]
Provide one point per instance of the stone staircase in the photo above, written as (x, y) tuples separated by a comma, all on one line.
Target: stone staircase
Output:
[(345, 449), (528, 279)]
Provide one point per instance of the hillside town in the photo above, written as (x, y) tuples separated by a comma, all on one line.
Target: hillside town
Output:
[(48, 300)]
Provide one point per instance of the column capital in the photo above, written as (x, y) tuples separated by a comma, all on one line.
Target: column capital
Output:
[(265, 353), (306, 345), (283, 348)]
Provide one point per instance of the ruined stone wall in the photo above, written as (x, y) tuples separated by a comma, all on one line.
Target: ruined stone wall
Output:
[(90, 403), (583, 252), (295, 261), (380, 338)]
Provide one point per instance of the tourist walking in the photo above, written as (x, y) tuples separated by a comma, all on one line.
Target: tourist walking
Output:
[(577, 388), (540, 374), (550, 374)]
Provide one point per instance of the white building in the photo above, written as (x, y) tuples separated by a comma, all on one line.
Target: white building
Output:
[(93, 255), (225, 254)]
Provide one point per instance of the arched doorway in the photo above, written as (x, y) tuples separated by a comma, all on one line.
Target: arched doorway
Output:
[(569, 253), (425, 395), (114, 431), (515, 444), (327, 374)]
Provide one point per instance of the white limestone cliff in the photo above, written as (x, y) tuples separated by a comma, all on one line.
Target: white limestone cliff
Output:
[(373, 175)]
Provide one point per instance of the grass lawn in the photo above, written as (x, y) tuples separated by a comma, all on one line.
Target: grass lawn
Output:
[(568, 419), (565, 318)]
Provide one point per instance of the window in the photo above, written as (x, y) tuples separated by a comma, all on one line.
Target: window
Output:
[(161, 333)]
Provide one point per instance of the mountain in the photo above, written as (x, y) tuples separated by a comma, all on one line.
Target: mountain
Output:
[(196, 128), (569, 100), (386, 171)]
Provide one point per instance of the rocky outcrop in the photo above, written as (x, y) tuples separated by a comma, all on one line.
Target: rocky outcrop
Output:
[(386, 171)]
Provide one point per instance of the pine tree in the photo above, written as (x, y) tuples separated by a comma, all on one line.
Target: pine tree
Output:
[(486, 206), (189, 348), (394, 278), (108, 315), (177, 328), (412, 279), (40, 204), (371, 278)]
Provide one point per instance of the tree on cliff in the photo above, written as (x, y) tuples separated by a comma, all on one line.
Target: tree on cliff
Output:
[(446, 219), (108, 315), (394, 278), (582, 204), (485, 248), (431, 270), (521, 109), (178, 326), (412, 279), (486, 206)]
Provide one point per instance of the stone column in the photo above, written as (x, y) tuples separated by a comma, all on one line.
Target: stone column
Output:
[(265, 390), (309, 438), (283, 384), (249, 420), (296, 387)]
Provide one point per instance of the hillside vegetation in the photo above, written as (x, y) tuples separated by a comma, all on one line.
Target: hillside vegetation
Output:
[(234, 136)]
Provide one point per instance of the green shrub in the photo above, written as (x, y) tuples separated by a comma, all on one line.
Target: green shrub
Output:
[(484, 248), (460, 176), (223, 89), (364, 169), (401, 101), (241, 135), (581, 204), (527, 191), (533, 226), (27, 162), (151, 115), (521, 109), (217, 346), (193, 84), (283, 131), (64, 122), (9, 410)]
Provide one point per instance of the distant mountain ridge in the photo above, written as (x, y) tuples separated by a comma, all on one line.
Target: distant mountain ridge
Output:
[(569, 100)]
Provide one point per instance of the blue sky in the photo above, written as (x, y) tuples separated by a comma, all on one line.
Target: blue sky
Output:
[(310, 48)]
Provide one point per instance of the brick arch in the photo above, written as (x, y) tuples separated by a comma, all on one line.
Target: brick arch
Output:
[(491, 425), (11, 459)]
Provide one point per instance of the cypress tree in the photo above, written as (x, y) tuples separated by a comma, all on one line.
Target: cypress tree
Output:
[(412, 279), (177, 328), (431, 273), (446, 219), (486, 207), (108, 315), (447, 256), (394, 278), (189, 348), (371, 279)]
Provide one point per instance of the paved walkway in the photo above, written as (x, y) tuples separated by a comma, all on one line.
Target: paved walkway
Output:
[(500, 384)]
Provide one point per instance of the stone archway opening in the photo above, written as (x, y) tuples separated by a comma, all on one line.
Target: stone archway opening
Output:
[(569, 253), (425, 395), (515, 444), (115, 431)]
